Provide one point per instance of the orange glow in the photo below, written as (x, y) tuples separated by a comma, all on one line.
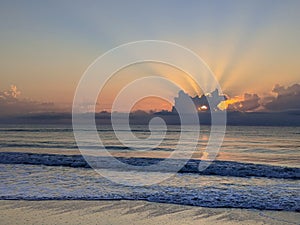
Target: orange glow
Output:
[(152, 103), (142, 70), (203, 108), (224, 105)]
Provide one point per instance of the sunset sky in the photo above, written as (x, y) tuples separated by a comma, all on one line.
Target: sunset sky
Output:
[(249, 45)]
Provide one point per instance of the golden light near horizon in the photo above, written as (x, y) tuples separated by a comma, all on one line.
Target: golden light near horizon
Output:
[(152, 104), (203, 108), (142, 70), (47, 64), (224, 105)]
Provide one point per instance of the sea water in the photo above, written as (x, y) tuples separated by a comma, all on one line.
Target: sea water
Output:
[(256, 167)]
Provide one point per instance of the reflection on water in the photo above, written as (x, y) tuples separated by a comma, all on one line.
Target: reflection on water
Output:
[(270, 145), (264, 145)]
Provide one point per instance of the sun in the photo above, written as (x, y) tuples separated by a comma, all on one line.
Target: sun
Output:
[(203, 108)]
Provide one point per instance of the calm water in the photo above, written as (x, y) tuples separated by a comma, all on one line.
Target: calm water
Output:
[(265, 184)]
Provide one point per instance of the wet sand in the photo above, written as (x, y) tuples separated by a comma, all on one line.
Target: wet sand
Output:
[(132, 212)]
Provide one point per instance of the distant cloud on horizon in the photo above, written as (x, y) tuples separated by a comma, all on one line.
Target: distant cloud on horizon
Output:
[(250, 102), (287, 98), (11, 104)]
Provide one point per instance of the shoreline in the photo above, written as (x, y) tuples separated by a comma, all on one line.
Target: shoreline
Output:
[(132, 212)]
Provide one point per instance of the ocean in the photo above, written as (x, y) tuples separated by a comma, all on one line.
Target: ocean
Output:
[(256, 168)]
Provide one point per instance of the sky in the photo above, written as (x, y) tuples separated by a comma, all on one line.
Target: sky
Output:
[(250, 46)]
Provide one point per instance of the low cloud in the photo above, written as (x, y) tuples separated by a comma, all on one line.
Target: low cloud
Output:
[(11, 104), (13, 93), (287, 98), (250, 102), (283, 99)]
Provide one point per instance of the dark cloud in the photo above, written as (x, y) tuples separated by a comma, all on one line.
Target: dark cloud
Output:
[(249, 103), (10, 104), (200, 103), (287, 98)]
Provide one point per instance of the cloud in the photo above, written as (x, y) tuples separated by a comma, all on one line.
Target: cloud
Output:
[(10, 95), (13, 92), (250, 102), (11, 104), (206, 102), (287, 98)]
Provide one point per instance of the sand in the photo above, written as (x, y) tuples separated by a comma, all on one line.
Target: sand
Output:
[(132, 212)]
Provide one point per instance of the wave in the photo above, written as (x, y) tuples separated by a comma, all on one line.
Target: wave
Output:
[(220, 168), (47, 130), (32, 130), (32, 182), (42, 145), (52, 145), (70, 145)]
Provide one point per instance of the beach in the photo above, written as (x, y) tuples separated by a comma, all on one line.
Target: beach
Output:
[(150, 112), (133, 212)]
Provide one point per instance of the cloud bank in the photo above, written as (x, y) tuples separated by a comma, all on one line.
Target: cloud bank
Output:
[(283, 99), (286, 98), (11, 104), (250, 102)]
